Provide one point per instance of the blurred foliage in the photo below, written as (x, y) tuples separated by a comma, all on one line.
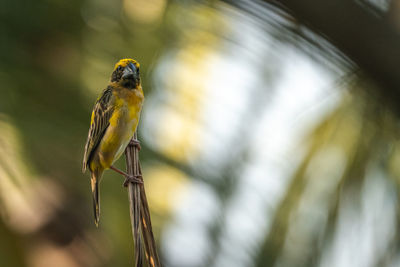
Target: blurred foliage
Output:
[(264, 144)]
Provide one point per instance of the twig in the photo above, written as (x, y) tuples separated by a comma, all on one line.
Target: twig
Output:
[(139, 211), (147, 230), (134, 203)]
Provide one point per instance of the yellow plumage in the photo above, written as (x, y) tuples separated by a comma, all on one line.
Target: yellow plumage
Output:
[(114, 120)]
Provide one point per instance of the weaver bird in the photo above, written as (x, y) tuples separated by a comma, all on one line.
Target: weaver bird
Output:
[(114, 120)]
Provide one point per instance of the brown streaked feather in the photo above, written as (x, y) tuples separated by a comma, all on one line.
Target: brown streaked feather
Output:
[(94, 181), (102, 112)]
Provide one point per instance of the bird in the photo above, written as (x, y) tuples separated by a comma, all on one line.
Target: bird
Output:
[(114, 120)]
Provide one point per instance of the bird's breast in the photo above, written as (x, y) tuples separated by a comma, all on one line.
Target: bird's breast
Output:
[(123, 124)]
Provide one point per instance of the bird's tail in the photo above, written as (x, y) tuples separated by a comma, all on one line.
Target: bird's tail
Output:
[(96, 200)]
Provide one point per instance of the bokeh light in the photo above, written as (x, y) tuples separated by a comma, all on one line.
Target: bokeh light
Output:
[(264, 141)]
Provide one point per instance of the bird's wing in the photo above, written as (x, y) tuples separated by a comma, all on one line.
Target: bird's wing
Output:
[(102, 112)]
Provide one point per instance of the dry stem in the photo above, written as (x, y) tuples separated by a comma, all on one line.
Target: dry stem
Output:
[(139, 212)]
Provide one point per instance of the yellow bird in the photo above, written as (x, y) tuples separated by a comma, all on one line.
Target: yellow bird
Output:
[(114, 120)]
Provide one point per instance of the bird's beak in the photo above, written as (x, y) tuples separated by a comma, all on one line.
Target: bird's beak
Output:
[(130, 72)]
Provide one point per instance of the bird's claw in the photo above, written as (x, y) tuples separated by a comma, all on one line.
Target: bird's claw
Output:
[(135, 143), (136, 179)]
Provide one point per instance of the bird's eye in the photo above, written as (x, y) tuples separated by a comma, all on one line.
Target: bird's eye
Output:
[(119, 68)]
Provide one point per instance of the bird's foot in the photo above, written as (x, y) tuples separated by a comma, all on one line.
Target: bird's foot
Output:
[(129, 178), (136, 179), (135, 143)]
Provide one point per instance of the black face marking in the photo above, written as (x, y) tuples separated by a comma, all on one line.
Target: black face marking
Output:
[(117, 74), (129, 83), (128, 76)]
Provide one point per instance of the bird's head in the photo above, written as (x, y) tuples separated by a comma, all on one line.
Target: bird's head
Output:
[(126, 73)]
